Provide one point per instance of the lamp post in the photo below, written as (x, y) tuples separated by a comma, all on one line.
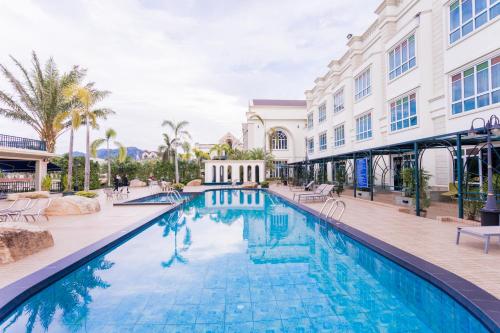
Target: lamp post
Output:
[(490, 212)]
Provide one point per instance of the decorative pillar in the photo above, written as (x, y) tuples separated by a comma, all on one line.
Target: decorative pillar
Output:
[(40, 173), (245, 172), (225, 173), (416, 176), (262, 174), (459, 177)]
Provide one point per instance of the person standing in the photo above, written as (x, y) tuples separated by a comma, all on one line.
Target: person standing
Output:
[(116, 183), (125, 182)]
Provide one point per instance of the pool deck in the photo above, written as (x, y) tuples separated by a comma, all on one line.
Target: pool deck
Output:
[(72, 233), (427, 239)]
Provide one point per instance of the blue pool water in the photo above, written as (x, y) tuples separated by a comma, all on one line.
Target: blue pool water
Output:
[(240, 261), (158, 198)]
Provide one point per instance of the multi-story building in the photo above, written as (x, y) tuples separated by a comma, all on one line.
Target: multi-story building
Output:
[(424, 68), (279, 125)]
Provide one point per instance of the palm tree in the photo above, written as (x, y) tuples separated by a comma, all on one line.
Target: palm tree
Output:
[(186, 147), (166, 150), (221, 149), (39, 97), (86, 97), (200, 155), (109, 135), (179, 133)]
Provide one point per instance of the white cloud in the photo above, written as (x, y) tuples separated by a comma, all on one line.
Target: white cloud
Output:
[(195, 60)]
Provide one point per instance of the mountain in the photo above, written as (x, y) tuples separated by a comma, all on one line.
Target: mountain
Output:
[(133, 152)]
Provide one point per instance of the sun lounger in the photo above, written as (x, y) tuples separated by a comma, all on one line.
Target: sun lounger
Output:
[(306, 187), (482, 232), (37, 209), (323, 195), (318, 190), (15, 209)]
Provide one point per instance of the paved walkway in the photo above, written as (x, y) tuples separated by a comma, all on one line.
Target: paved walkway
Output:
[(425, 238), (72, 233)]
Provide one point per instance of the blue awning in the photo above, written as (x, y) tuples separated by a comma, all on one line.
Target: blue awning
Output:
[(24, 166)]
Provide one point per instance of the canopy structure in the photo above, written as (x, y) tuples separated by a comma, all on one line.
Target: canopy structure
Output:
[(24, 166)]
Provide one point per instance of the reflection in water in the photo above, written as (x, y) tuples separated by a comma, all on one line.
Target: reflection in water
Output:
[(241, 261)]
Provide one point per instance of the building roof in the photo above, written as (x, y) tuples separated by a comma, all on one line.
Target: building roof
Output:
[(279, 102)]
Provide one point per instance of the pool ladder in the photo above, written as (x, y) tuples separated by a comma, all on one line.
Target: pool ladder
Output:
[(330, 208), (177, 198)]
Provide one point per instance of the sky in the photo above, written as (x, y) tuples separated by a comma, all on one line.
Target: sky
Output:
[(195, 60)]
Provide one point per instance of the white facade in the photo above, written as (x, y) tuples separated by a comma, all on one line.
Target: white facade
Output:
[(407, 93), (228, 171), (277, 125)]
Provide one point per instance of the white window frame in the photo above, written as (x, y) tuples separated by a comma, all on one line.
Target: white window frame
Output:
[(310, 120), (360, 90), (364, 134), (321, 112), (408, 118), (408, 62), (339, 141), (488, 9), (310, 147), (338, 101), (279, 141), (325, 146)]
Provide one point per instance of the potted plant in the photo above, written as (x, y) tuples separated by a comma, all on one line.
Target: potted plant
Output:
[(264, 184), (340, 179), (409, 190)]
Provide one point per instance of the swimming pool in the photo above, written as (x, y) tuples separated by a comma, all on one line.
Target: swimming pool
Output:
[(240, 261), (155, 199)]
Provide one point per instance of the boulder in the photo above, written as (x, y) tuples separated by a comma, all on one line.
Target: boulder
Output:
[(18, 240), (72, 205), (30, 195), (249, 185), (194, 182), (137, 183)]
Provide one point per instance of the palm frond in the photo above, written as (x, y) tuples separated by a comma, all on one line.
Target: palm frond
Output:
[(95, 145)]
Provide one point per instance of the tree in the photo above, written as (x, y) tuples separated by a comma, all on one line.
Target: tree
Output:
[(39, 97), (166, 150), (86, 97), (109, 135), (179, 133), (221, 149), (200, 155)]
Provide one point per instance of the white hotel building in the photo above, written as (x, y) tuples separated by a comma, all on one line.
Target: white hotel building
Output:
[(424, 68)]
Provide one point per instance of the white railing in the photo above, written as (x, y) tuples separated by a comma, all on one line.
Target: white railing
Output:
[(330, 207)]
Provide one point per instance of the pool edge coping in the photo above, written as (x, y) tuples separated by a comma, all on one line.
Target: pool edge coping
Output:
[(15, 293), (483, 305)]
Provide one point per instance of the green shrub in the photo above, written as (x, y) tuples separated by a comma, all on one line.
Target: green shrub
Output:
[(86, 194), (178, 186), (46, 183), (264, 184)]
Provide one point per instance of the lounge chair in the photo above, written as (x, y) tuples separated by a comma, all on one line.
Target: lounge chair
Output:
[(323, 195), (303, 188), (15, 209), (37, 210), (318, 190), (482, 232), (109, 193)]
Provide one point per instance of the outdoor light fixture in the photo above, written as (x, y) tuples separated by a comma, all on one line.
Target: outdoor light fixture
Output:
[(490, 212)]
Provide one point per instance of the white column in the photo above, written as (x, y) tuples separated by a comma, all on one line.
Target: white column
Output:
[(40, 173), (262, 176), (226, 168), (245, 173), (208, 173)]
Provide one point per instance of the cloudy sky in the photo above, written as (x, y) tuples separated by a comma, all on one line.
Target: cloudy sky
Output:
[(194, 60)]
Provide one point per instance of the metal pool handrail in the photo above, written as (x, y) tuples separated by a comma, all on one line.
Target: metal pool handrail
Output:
[(334, 205)]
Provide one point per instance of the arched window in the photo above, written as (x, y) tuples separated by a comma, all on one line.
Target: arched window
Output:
[(279, 141)]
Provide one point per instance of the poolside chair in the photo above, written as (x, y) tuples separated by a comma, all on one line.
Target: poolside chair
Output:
[(322, 196), (318, 190), (37, 209), (482, 232), (306, 187), (109, 193), (15, 209)]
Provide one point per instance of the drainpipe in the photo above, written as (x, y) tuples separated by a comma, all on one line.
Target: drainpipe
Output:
[(371, 175), (354, 178), (417, 179), (459, 177)]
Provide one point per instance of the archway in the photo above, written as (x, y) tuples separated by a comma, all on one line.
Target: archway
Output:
[(257, 173), (214, 174), (229, 173), (221, 174), (242, 173), (249, 173)]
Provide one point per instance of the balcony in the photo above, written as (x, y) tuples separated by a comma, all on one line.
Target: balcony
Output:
[(21, 143)]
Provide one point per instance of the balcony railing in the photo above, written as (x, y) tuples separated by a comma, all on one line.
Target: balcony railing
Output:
[(21, 143)]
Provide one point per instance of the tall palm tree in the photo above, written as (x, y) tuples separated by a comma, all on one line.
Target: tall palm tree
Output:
[(221, 149), (87, 96), (39, 98), (166, 150), (109, 135), (200, 155), (179, 133)]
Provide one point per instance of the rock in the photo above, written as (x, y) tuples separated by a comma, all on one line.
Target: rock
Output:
[(72, 205), (30, 195), (194, 182), (137, 183), (18, 240), (249, 185)]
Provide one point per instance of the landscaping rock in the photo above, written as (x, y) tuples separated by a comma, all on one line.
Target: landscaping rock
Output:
[(73, 205), (194, 182), (30, 195), (137, 183), (18, 240)]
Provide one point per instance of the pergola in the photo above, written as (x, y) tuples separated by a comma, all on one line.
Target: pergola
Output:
[(452, 142)]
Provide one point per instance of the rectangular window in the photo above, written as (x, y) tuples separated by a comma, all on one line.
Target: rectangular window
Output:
[(467, 15), (476, 87), (279, 169), (403, 112), (364, 127), (310, 145), (362, 85), (402, 58), (322, 141), (338, 134), (310, 120), (322, 113), (338, 101)]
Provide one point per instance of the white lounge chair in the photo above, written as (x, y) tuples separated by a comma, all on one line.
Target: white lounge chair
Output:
[(306, 187), (482, 232), (37, 209), (15, 209), (323, 195), (318, 190)]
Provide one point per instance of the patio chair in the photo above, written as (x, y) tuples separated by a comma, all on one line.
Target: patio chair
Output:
[(482, 232), (306, 187), (121, 194), (318, 190), (322, 196), (37, 209), (15, 209), (109, 193)]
